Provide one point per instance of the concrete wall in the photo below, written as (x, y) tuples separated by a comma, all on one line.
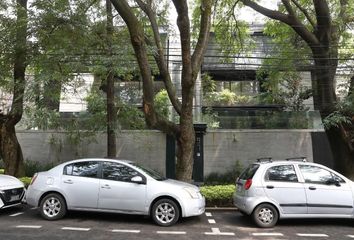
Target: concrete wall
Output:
[(147, 147), (222, 148)]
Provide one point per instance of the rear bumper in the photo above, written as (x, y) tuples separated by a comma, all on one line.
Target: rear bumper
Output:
[(32, 196), (244, 204)]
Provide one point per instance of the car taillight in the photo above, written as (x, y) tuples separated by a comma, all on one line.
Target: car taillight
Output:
[(248, 184), (34, 178)]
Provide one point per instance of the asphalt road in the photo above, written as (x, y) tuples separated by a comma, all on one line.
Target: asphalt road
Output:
[(26, 223)]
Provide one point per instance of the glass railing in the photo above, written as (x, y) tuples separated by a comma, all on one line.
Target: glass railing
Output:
[(270, 120)]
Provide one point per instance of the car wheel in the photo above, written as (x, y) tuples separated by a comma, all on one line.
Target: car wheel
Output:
[(53, 207), (265, 216), (165, 212)]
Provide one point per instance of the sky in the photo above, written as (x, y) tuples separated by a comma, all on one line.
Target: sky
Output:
[(246, 14)]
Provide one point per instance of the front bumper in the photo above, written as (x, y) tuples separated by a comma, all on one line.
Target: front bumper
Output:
[(194, 207), (11, 197)]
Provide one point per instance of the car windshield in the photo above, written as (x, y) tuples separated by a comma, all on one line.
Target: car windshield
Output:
[(152, 173)]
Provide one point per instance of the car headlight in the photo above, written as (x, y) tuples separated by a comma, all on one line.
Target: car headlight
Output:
[(192, 192)]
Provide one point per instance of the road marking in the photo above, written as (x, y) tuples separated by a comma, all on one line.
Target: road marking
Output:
[(208, 214), (76, 229), (125, 231), (171, 232), (216, 231), (29, 226), (350, 236), (267, 234), (16, 214), (311, 235), (211, 221)]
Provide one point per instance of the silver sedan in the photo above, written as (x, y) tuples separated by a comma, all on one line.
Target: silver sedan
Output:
[(108, 185)]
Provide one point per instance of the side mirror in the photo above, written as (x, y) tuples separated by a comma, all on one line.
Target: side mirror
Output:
[(137, 179), (333, 182)]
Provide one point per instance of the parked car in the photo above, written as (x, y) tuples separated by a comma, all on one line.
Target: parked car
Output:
[(270, 190), (108, 185), (12, 191)]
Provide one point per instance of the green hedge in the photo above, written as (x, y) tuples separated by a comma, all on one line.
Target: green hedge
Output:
[(218, 195), (26, 180)]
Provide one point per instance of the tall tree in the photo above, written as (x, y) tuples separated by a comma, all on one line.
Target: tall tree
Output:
[(10, 149), (191, 62), (321, 24)]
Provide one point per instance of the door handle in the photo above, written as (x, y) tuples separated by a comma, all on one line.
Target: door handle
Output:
[(312, 188), (69, 181), (269, 186), (106, 186)]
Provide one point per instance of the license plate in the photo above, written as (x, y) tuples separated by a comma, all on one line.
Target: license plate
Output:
[(15, 198)]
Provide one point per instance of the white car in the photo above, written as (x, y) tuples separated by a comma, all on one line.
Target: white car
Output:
[(108, 185), (12, 191), (270, 190)]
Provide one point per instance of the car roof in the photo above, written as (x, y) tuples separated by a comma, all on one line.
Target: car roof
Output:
[(277, 162), (96, 160)]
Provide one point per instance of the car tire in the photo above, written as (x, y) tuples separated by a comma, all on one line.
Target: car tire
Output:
[(265, 215), (53, 207), (165, 212)]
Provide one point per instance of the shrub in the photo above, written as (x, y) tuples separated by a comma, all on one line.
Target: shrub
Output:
[(228, 177), (26, 180), (218, 195), (2, 171), (33, 167)]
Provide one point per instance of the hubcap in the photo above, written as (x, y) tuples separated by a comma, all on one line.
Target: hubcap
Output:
[(51, 207), (165, 213), (265, 215)]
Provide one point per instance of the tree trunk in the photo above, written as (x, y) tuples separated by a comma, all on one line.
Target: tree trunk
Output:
[(11, 151), (186, 139), (111, 111), (342, 151)]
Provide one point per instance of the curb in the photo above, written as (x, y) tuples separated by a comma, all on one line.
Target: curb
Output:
[(221, 208)]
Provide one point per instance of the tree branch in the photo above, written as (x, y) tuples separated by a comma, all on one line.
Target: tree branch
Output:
[(290, 20), (159, 57), (137, 40), (185, 36), (305, 12), (205, 24)]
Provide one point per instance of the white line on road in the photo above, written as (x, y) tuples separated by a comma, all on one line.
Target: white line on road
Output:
[(125, 231), (29, 226), (267, 234), (211, 221), (16, 214), (311, 235), (171, 232), (208, 214), (76, 229), (350, 236), (216, 231)]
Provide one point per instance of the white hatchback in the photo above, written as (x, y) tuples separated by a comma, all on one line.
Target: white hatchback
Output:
[(109, 185), (269, 191), (12, 191)]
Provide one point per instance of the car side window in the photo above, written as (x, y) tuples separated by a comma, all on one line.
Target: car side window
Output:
[(314, 174), (82, 169), (281, 173), (118, 172)]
